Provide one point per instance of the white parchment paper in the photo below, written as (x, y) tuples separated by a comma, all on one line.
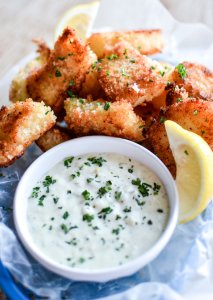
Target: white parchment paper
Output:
[(184, 269)]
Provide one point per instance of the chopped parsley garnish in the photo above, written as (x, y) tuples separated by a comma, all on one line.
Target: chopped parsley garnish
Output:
[(107, 72), (153, 67), (118, 195), (130, 170), (132, 61), (81, 101), (117, 217), (48, 181), (116, 231), (149, 222), (65, 228), (104, 212), (57, 73), (143, 188), (186, 152), (179, 99), (162, 119), (203, 132), (89, 180), (69, 192), (68, 161), (86, 195), (81, 260), (65, 215), (106, 105), (94, 65), (112, 56), (160, 210), (70, 94), (61, 57), (162, 73), (123, 72), (127, 209), (156, 188), (88, 218), (97, 160), (140, 203), (41, 200), (136, 181), (35, 192), (195, 112), (55, 200), (71, 83), (105, 189), (181, 71), (73, 242)]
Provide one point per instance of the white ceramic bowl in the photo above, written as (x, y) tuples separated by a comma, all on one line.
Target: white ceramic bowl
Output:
[(77, 147)]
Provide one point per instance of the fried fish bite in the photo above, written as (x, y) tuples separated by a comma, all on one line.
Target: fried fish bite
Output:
[(146, 41), (100, 117), (196, 79), (18, 87), (126, 75), (63, 73), (193, 115), (51, 138), (20, 125)]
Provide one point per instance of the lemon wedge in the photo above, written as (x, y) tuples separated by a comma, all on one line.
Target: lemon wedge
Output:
[(194, 164), (79, 17)]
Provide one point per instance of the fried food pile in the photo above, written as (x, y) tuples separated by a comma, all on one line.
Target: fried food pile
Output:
[(107, 86)]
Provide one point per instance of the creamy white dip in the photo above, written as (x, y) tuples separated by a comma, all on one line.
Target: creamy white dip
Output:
[(97, 211)]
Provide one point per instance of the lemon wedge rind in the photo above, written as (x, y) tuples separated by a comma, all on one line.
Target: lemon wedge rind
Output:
[(194, 163)]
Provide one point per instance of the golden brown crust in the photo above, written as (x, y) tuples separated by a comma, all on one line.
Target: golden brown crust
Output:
[(20, 125), (146, 41), (63, 73), (51, 138), (198, 81), (126, 75), (101, 117), (193, 115)]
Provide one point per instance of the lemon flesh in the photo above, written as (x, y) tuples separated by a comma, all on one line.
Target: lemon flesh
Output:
[(80, 18), (194, 164)]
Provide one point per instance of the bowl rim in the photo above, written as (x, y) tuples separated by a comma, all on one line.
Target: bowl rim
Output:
[(97, 275)]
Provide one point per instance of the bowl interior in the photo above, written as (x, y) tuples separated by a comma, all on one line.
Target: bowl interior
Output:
[(80, 146)]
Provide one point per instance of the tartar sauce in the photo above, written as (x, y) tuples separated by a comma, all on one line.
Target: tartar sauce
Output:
[(97, 211)]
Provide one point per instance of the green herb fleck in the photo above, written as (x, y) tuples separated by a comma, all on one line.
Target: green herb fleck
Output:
[(107, 72), (179, 99), (88, 218), (68, 161), (162, 73), (162, 120), (132, 61), (71, 83), (81, 260), (106, 105), (35, 192), (195, 112), (181, 70), (186, 152), (127, 209), (57, 73), (104, 212), (55, 200), (65, 228), (112, 56), (118, 195), (105, 189), (65, 215), (70, 94), (89, 180), (116, 231), (48, 181), (156, 188), (97, 160), (86, 195), (41, 200)]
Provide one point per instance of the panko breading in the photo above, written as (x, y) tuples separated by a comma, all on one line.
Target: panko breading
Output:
[(146, 41), (64, 72), (101, 117), (18, 87), (51, 138), (91, 86), (196, 79), (175, 94), (20, 125), (193, 115), (126, 75)]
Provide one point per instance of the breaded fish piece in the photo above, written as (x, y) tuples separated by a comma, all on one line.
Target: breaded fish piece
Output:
[(196, 79), (193, 115), (126, 75), (100, 117), (175, 93), (18, 87), (64, 72), (51, 138), (146, 41), (20, 125)]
